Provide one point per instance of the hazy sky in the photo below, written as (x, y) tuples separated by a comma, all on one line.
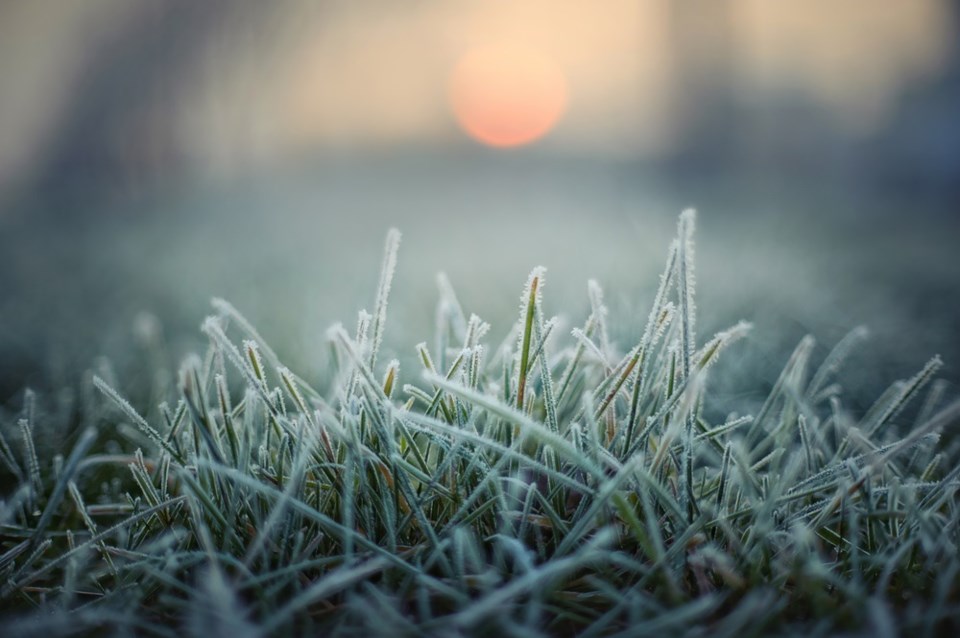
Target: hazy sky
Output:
[(268, 80)]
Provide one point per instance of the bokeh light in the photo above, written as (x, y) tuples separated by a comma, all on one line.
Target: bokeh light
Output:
[(507, 94)]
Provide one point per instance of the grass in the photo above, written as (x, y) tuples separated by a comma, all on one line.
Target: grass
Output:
[(533, 488)]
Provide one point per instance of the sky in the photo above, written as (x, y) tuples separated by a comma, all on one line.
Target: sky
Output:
[(227, 85)]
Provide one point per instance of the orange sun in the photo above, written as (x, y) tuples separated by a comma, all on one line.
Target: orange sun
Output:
[(507, 95)]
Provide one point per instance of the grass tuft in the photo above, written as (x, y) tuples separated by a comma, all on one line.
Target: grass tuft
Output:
[(530, 488)]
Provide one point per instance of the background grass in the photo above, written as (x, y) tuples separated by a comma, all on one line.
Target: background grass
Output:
[(536, 480)]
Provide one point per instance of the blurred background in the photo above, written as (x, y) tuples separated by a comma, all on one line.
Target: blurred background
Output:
[(157, 153)]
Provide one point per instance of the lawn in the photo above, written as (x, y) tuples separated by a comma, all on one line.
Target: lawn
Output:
[(530, 480)]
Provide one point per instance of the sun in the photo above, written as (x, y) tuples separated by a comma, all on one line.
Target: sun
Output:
[(507, 95)]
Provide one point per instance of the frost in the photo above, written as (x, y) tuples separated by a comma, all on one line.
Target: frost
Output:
[(391, 247), (484, 498)]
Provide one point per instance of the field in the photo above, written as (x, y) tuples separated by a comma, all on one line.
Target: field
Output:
[(539, 479)]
